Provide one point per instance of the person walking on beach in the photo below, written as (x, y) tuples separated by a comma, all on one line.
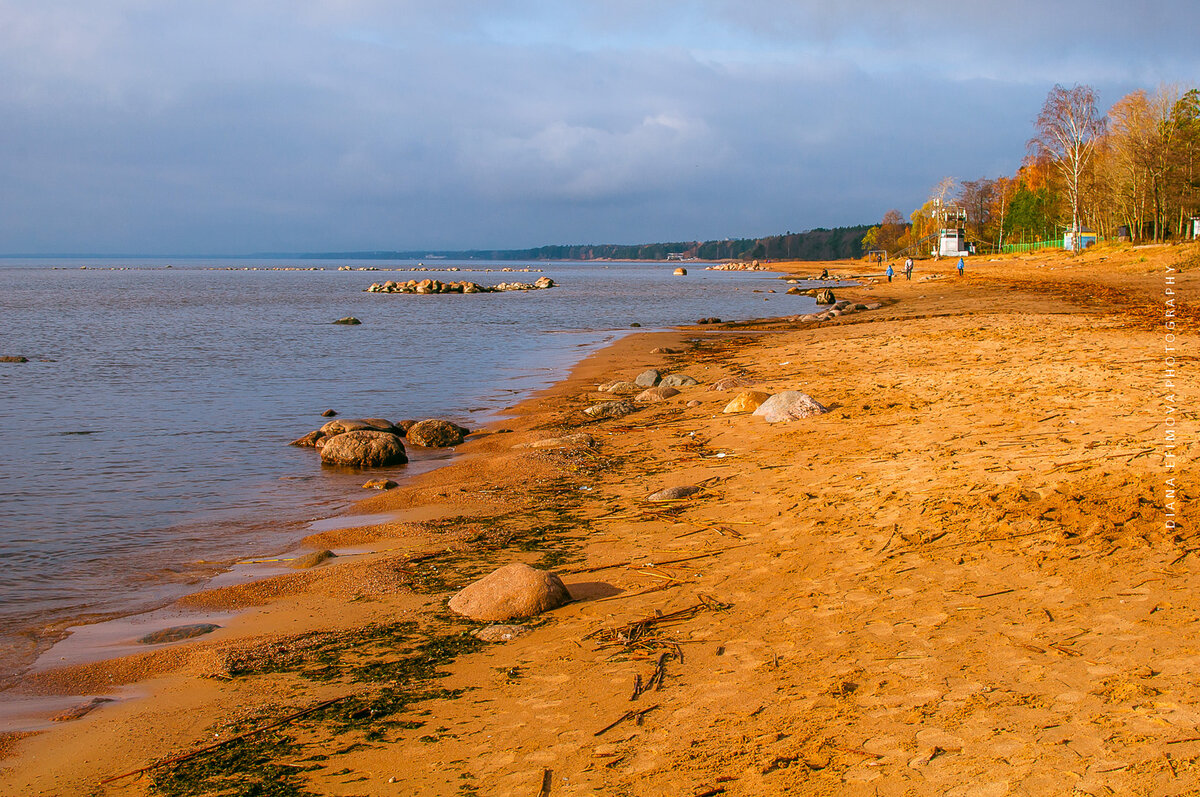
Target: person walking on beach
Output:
[(890, 272), (960, 266), (908, 269)]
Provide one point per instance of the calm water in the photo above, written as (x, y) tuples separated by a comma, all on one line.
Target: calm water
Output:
[(149, 430)]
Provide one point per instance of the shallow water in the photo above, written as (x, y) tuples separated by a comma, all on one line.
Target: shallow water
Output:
[(146, 439)]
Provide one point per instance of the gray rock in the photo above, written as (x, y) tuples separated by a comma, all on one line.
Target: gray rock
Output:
[(515, 590), (654, 395), (363, 449), (825, 296), (678, 380), (674, 493), (790, 405), (567, 441), (434, 433), (610, 409), (178, 633), (648, 378)]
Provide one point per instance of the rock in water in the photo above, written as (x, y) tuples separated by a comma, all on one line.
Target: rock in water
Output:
[(825, 296), (790, 405), (515, 590), (312, 560), (364, 449), (434, 433), (328, 413), (648, 378), (9, 358), (380, 484), (678, 380), (747, 401), (178, 633), (610, 409), (681, 272), (358, 424), (674, 493), (656, 394), (309, 440), (348, 321)]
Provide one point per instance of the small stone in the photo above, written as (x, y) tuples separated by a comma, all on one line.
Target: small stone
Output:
[(747, 401), (312, 560), (309, 440), (665, 350), (380, 484), (693, 403), (656, 394), (674, 493), (328, 413), (678, 380), (635, 324), (515, 590), (619, 386), (500, 633), (348, 321), (178, 633), (568, 441)]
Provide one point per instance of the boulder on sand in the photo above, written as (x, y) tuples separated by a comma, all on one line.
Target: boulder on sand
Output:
[(311, 560), (515, 590), (648, 378), (731, 383), (655, 394), (567, 441), (678, 380), (619, 386), (790, 405), (825, 296), (363, 449), (434, 433), (746, 401), (610, 409)]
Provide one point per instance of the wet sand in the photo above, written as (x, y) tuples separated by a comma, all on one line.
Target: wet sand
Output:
[(960, 580)]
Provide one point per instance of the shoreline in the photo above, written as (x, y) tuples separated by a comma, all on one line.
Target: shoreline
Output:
[(813, 542)]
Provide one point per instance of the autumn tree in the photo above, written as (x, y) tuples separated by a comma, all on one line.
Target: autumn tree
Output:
[(1067, 130)]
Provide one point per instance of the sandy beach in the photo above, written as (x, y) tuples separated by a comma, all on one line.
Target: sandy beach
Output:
[(962, 579)]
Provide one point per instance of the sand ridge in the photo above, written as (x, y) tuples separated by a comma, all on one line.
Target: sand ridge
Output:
[(958, 581)]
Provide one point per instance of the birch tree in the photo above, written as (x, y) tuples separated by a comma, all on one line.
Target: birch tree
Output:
[(1068, 127)]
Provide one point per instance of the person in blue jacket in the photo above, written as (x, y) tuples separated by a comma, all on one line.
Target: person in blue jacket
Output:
[(890, 272), (960, 266)]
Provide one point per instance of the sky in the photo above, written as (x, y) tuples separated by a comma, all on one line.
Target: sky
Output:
[(242, 126)]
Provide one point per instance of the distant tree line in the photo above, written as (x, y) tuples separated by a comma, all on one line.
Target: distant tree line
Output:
[(1135, 170), (837, 243)]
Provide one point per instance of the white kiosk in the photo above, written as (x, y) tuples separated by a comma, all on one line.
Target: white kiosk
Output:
[(952, 240)]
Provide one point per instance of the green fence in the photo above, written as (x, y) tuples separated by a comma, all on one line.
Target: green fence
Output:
[(1009, 249)]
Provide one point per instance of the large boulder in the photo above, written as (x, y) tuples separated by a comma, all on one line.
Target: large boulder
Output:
[(747, 401), (648, 378), (825, 296), (363, 449), (515, 590), (654, 395), (434, 433), (343, 425), (678, 380), (610, 409), (790, 405)]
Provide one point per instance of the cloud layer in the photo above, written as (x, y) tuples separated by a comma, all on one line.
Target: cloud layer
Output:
[(225, 127)]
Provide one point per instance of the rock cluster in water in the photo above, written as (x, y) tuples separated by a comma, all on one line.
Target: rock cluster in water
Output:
[(437, 286), (377, 442), (751, 266)]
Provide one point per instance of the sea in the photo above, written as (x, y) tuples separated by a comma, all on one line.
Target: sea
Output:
[(146, 439)]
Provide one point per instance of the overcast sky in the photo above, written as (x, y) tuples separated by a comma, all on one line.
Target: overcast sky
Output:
[(215, 126)]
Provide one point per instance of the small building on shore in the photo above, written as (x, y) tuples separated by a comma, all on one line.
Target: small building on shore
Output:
[(1086, 236), (952, 242)]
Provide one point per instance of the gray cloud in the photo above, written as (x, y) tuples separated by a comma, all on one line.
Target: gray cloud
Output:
[(233, 127)]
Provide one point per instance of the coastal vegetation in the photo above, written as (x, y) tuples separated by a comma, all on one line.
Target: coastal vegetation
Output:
[(1133, 174)]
